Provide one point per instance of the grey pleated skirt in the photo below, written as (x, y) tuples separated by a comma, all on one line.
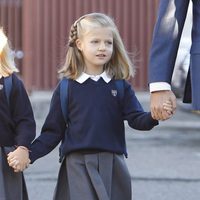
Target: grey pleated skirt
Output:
[(12, 185), (98, 176)]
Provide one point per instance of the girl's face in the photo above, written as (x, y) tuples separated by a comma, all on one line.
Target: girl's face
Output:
[(96, 47)]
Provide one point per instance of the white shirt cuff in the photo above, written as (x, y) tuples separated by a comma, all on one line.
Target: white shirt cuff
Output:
[(159, 86)]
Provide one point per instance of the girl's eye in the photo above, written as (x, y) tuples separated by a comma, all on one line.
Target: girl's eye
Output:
[(94, 41), (109, 42)]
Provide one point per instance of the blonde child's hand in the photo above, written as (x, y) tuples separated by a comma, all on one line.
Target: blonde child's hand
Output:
[(19, 159), (168, 107)]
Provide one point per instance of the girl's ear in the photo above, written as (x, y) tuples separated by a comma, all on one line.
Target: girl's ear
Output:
[(79, 44)]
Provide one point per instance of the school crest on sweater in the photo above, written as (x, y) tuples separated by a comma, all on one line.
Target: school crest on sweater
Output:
[(114, 93)]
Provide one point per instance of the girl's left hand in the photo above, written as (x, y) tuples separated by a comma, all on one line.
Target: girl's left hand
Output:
[(19, 159), (168, 107)]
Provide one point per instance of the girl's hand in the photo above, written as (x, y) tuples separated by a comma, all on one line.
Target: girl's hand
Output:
[(168, 107), (19, 159)]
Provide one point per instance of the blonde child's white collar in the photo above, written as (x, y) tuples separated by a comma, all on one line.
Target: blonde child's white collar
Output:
[(83, 77)]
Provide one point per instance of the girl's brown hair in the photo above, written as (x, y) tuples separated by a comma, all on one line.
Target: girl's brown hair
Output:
[(119, 66)]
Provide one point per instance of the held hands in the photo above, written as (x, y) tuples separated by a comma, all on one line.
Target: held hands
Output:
[(19, 159), (162, 104)]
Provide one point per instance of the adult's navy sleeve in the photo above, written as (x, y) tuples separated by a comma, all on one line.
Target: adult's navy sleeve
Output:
[(52, 131), (133, 112), (22, 114), (166, 38)]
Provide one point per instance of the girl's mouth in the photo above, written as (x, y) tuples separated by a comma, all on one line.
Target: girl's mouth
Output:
[(101, 55)]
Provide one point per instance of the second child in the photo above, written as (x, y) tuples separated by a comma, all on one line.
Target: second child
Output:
[(17, 126)]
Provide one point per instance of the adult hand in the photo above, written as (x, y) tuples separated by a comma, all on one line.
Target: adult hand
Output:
[(157, 100), (19, 159)]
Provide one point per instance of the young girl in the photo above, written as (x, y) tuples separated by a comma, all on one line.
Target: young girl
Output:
[(17, 126), (93, 142)]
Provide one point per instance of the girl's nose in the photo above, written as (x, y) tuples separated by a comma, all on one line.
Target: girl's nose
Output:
[(102, 46)]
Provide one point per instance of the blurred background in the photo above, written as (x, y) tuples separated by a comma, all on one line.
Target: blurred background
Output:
[(164, 164), (38, 31)]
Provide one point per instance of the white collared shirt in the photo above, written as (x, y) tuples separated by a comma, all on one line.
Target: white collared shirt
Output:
[(83, 77)]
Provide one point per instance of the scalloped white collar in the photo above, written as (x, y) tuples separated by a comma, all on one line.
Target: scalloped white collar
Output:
[(83, 77)]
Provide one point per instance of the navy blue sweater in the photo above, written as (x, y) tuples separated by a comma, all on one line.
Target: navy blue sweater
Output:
[(96, 119), (17, 124)]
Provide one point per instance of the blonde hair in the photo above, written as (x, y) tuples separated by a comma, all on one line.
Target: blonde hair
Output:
[(7, 65), (119, 66)]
